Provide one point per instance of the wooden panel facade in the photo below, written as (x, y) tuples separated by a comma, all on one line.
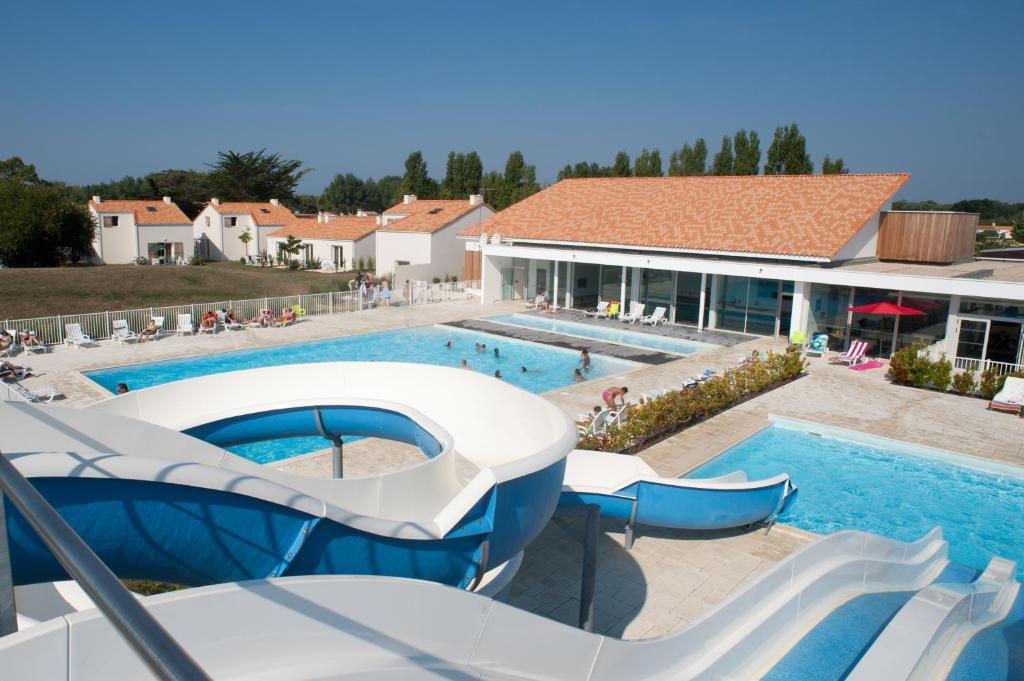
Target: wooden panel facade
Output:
[(924, 236), (472, 269)]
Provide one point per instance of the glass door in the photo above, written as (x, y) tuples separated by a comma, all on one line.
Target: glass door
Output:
[(338, 256), (507, 278), (972, 335), (1004, 340)]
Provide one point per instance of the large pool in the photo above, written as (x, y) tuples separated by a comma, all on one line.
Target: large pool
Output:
[(849, 480), (644, 340), (549, 367)]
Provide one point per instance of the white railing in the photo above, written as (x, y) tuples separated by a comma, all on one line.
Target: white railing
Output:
[(979, 365), (50, 330)]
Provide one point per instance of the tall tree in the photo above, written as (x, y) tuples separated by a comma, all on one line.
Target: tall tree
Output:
[(416, 180), (696, 163), (16, 170), (747, 151), (188, 188), (836, 167), (491, 186), (519, 180), (621, 167), (677, 161), (40, 226), (565, 173), (384, 193), (648, 164), (345, 194), (723, 163), (454, 171), (787, 154), (254, 176), (472, 173)]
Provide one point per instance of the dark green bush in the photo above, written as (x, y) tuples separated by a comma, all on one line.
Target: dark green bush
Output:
[(991, 382), (964, 382), (940, 373)]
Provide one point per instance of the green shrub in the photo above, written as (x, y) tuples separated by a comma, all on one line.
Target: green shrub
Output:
[(964, 382), (675, 410), (241, 260), (314, 264), (992, 382), (941, 373), (294, 264), (901, 365), (437, 280), (912, 366), (196, 260)]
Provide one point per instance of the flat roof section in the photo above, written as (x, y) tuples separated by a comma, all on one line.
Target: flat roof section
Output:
[(982, 270)]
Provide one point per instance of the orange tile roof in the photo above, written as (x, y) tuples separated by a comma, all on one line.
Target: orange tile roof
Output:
[(795, 215), (161, 214), (262, 212), (426, 215), (340, 228)]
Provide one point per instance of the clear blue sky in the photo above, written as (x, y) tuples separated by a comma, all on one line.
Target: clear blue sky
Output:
[(98, 90)]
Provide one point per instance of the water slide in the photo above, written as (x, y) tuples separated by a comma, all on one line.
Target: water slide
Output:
[(625, 487), (144, 478), (360, 627)]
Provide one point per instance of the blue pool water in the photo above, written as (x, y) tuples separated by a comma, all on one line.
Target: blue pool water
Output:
[(420, 345), (644, 340), (847, 484)]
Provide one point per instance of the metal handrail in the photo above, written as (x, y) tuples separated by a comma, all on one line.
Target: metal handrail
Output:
[(151, 642)]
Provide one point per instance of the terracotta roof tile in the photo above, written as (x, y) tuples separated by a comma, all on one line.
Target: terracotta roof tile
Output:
[(263, 212), (340, 228), (426, 215), (795, 215), (145, 212)]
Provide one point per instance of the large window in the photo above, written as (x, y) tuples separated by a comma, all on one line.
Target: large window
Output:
[(656, 290), (877, 330), (611, 282), (585, 290), (928, 328), (762, 306), (731, 306), (747, 305), (993, 308), (688, 298), (828, 313)]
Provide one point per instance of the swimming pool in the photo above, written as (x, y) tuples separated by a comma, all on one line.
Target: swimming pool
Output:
[(849, 480), (644, 340), (549, 367)]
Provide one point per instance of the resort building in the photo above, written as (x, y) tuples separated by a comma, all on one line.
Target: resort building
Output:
[(218, 227), (761, 255), (421, 236), (337, 239), (127, 230)]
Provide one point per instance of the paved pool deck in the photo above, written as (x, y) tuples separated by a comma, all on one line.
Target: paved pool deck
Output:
[(669, 578)]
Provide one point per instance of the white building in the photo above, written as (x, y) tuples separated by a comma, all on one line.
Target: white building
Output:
[(126, 230), (218, 227), (339, 239), (421, 236), (760, 255)]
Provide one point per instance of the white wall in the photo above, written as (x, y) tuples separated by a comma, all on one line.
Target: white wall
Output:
[(323, 248), (447, 251), (490, 267), (412, 247), (864, 243), (211, 232), (182, 234), (115, 245)]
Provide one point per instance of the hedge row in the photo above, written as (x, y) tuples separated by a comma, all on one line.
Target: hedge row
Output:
[(911, 366), (678, 409)]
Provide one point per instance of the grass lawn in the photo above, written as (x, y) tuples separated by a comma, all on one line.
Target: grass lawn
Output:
[(40, 292)]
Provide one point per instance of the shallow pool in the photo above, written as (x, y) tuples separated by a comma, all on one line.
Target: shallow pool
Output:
[(851, 481), (549, 367), (637, 338)]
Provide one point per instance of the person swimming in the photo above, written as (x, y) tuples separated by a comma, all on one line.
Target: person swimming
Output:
[(585, 358), (497, 374), (529, 371), (497, 353), (577, 375), (465, 365), (449, 345)]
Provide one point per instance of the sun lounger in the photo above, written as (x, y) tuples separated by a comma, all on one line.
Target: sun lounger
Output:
[(854, 355), (597, 426), (1010, 398), (655, 318), (73, 335), (184, 325), (610, 312), (817, 346), (159, 321), (36, 347), (18, 372), (44, 394), (602, 306), (121, 333), (636, 312)]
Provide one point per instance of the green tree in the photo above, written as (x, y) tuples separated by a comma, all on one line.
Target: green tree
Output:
[(836, 167), (677, 162), (621, 166), (416, 179), (245, 237), (254, 176), (472, 174), (696, 164), (189, 188), (16, 170), (723, 163), (345, 194), (648, 164), (1018, 231), (565, 173), (462, 175), (384, 193), (40, 226), (303, 203), (518, 181), (127, 187), (491, 186), (290, 247), (787, 154), (747, 152)]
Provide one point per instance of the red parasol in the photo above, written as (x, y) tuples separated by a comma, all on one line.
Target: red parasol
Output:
[(885, 308)]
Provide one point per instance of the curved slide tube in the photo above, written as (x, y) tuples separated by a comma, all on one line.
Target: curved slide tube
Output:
[(625, 487), (926, 635), (159, 504), (366, 627)]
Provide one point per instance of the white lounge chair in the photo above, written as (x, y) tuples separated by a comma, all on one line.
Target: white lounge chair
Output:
[(121, 333), (636, 312), (36, 347), (609, 312), (159, 321), (1011, 397), (598, 425), (44, 394), (73, 335), (854, 355), (184, 325), (9, 350), (655, 318), (602, 305)]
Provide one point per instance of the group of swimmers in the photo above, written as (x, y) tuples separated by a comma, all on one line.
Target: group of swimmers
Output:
[(481, 348)]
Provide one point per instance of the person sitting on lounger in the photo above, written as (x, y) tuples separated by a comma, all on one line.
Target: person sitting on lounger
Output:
[(28, 337), (287, 317), (229, 315), (209, 320), (611, 394), (10, 371), (6, 340), (589, 418), (149, 333)]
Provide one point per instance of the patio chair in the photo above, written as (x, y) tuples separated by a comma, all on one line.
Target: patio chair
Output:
[(159, 321), (212, 328), (636, 312), (655, 318), (602, 306), (597, 426), (185, 325), (817, 346), (73, 335), (44, 394), (1011, 398), (121, 333), (13, 372), (13, 345), (610, 312), (854, 355), (35, 347)]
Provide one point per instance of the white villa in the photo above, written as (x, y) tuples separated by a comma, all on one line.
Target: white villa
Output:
[(761, 255), (337, 239), (125, 230), (421, 236), (217, 228)]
